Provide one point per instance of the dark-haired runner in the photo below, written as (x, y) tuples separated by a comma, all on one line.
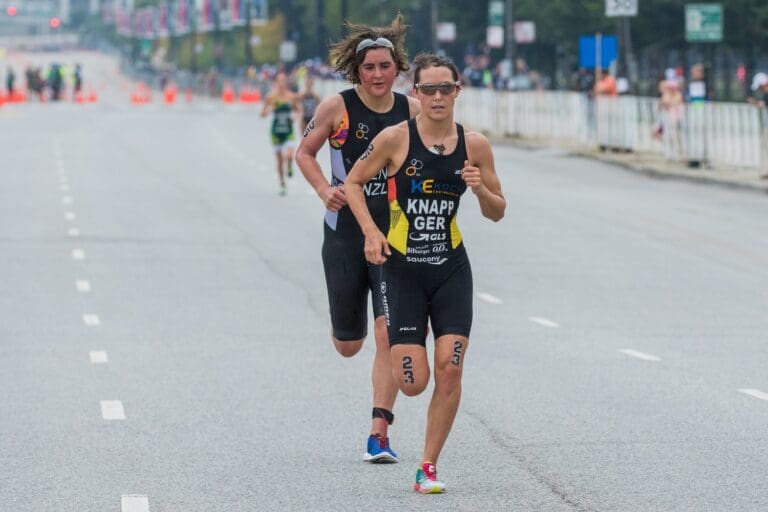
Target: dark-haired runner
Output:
[(370, 58), (426, 276)]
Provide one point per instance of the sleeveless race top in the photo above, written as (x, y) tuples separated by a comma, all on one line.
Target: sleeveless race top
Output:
[(308, 105), (349, 141), (424, 198), (281, 122)]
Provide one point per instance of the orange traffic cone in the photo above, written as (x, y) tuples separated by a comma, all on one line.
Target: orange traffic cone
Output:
[(228, 96), (169, 94)]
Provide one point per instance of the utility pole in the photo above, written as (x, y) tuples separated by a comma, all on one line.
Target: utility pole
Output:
[(509, 36), (321, 39), (433, 17), (248, 33)]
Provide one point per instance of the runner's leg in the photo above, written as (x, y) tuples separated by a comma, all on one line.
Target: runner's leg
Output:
[(450, 351), (384, 383)]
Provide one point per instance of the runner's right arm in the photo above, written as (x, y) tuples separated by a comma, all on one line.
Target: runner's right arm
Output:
[(267, 107), (327, 117)]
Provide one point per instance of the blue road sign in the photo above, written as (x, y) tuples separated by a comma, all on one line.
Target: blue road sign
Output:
[(587, 51)]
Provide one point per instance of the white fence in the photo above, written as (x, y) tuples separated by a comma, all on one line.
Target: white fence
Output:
[(716, 134)]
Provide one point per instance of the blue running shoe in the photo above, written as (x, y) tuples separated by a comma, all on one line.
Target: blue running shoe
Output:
[(379, 450)]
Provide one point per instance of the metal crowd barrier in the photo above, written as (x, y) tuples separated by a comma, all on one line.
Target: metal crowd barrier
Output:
[(708, 134)]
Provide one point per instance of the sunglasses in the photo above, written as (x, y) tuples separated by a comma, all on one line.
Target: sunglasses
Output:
[(444, 88), (381, 42)]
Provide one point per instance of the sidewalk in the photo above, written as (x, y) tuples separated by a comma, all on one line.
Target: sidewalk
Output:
[(657, 166)]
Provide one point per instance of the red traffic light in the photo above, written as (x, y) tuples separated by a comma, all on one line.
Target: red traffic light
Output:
[(11, 10), (55, 22)]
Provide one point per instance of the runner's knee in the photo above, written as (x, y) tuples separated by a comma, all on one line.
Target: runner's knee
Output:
[(348, 348), (447, 375)]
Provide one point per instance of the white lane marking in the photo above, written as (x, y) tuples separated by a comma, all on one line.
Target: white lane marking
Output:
[(490, 299), (112, 410), (78, 254), (70, 216), (73, 232), (62, 179), (543, 321), (64, 187), (639, 355), (83, 286), (67, 200), (91, 320), (755, 393), (98, 356), (134, 503)]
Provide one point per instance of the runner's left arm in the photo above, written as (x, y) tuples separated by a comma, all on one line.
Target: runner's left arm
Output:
[(479, 173)]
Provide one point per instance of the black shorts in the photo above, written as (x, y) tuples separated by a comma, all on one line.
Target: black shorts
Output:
[(415, 293), (349, 278)]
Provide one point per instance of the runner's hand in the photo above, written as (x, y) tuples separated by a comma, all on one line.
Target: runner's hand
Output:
[(471, 176), (334, 198), (376, 248)]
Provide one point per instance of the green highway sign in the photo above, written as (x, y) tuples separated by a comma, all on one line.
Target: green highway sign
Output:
[(704, 23), (496, 13)]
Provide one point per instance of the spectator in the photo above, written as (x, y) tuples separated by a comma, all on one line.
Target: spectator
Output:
[(759, 99), (10, 80), (606, 84), (585, 81), (672, 111)]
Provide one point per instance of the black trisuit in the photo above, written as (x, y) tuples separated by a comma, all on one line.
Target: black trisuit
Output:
[(348, 275), (428, 275)]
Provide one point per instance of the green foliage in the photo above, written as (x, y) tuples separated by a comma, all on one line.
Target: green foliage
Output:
[(659, 24)]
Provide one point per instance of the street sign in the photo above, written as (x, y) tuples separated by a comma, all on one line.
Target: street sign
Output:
[(446, 32), (494, 37), (704, 23), (615, 8), (525, 32), (496, 13), (588, 51), (288, 51)]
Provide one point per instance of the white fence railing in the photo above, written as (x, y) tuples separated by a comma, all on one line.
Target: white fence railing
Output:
[(716, 134)]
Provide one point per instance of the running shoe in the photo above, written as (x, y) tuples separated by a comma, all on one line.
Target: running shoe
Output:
[(283, 190), (426, 480), (379, 450), (290, 172)]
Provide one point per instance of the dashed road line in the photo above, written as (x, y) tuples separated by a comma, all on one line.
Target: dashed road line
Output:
[(112, 410), (83, 286), (544, 321), (134, 503), (762, 395), (78, 254), (64, 187), (73, 232), (639, 355), (91, 320), (490, 299), (67, 200), (97, 356), (70, 216)]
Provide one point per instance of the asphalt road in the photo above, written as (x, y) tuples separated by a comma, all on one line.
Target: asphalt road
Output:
[(617, 361)]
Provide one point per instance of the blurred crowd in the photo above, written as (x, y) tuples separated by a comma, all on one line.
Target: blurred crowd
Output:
[(42, 84)]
